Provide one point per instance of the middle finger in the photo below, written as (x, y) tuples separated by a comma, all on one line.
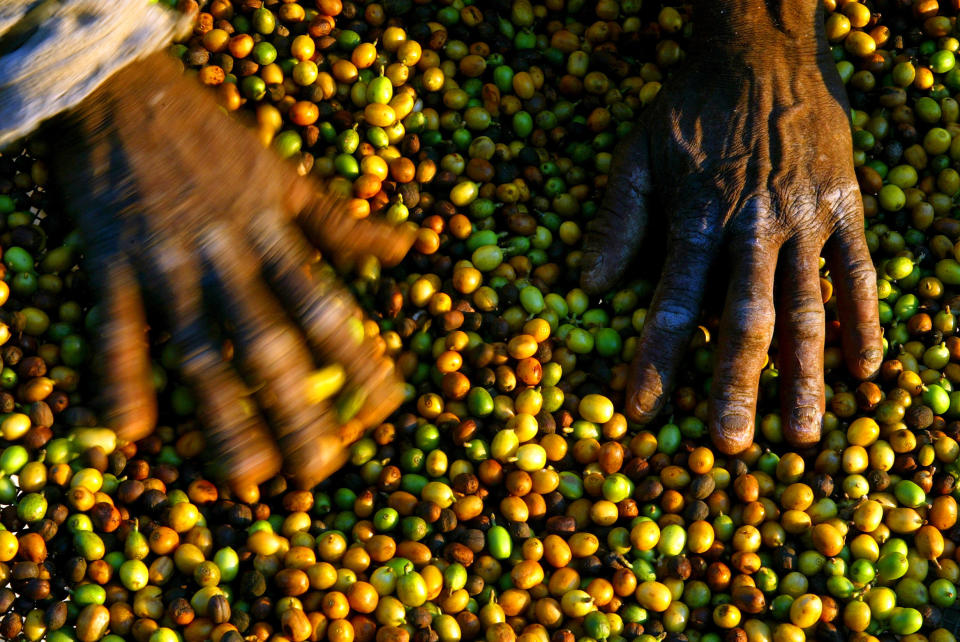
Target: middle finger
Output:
[(801, 330), (327, 314), (746, 329)]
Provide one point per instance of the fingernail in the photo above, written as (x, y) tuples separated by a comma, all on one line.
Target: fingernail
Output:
[(644, 405), (591, 262), (590, 269), (732, 433), (803, 426), (869, 360)]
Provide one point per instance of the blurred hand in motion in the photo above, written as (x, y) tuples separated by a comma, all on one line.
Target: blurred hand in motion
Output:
[(172, 198), (748, 154)]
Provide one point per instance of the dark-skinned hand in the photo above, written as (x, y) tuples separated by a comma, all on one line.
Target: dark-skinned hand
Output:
[(747, 153), (176, 200)]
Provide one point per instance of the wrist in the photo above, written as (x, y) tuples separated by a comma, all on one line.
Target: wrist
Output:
[(756, 32)]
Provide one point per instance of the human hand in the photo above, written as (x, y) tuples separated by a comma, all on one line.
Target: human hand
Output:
[(171, 196), (748, 154)]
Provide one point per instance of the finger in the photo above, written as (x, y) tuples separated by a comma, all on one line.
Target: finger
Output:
[(330, 226), (127, 383), (328, 316), (855, 284), (614, 236), (274, 359), (234, 429), (746, 329), (672, 317), (97, 195), (800, 328)]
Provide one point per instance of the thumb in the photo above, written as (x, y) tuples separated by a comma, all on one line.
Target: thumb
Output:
[(614, 236), (328, 223)]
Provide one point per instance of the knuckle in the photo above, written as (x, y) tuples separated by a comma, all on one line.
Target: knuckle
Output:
[(321, 314), (734, 386), (863, 279), (795, 200), (199, 363), (756, 246), (731, 400), (673, 317), (806, 323), (699, 240), (808, 242), (870, 330), (801, 297), (753, 321), (752, 207), (274, 242), (842, 195), (282, 339), (168, 260)]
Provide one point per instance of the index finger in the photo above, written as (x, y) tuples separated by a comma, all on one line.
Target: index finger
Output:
[(614, 236), (801, 329)]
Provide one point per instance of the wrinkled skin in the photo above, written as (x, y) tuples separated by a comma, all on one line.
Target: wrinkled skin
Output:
[(177, 201), (748, 155)]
